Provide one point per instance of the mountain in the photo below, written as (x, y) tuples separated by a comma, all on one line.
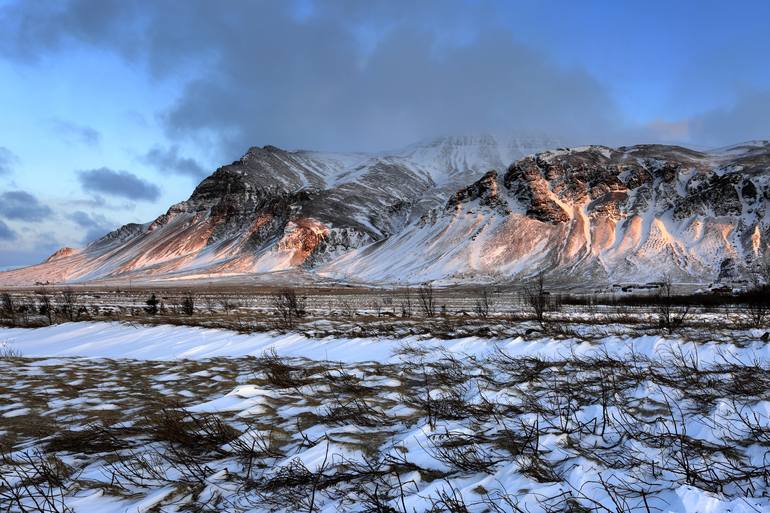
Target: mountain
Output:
[(275, 210), (590, 215), (460, 209)]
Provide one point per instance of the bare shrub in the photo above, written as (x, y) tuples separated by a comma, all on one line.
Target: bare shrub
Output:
[(152, 305), (406, 303), (69, 306), (427, 300), (757, 299), (538, 299), (346, 307), (33, 481), (227, 304), (484, 304), (8, 352), (45, 308), (188, 304), (289, 306), (277, 372), (671, 316), (8, 308)]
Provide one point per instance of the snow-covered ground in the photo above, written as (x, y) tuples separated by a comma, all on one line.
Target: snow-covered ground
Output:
[(167, 342), (131, 418)]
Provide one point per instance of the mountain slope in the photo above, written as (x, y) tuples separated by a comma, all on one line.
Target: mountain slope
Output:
[(275, 210), (590, 215)]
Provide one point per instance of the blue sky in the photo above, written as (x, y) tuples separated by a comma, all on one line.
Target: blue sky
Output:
[(112, 111)]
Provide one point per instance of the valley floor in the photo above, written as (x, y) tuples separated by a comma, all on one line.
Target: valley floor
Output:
[(111, 417)]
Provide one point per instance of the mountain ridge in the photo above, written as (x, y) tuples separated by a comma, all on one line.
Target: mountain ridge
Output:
[(447, 210)]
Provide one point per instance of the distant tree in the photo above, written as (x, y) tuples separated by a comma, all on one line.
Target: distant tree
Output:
[(289, 306), (671, 316), (757, 299), (538, 298), (69, 306), (9, 308), (152, 305), (427, 300), (188, 304), (45, 307), (406, 303), (484, 304)]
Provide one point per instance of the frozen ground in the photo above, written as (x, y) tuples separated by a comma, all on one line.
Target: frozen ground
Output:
[(103, 417)]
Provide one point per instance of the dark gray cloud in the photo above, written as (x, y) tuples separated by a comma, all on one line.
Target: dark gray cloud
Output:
[(23, 206), (118, 183), (74, 133), (96, 225), (344, 75), (168, 160), (8, 161), (6, 233)]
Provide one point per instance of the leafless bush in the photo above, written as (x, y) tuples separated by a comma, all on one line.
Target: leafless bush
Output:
[(353, 411), (464, 452), (45, 307), (289, 306), (199, 435), (152, 305), (33, 481), (427, 300), (8, 352), (277, 372), (757, 299), (92, 440), (141, 469), (188, 304), (346, 307), (406, 303), (671, 316), (227, 304), (8, 308), (68, 305), (538, 299), (484, 304)]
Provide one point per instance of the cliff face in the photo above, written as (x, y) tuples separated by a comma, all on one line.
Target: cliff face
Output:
[(590, 214)]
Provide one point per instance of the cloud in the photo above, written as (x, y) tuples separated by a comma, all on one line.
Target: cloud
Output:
[(167, 160), (341, 76), (40, 247), (320, 93), (746, 119), (23, 206), (74, 133), (5, 232), (118, 183), (96, 225), (8, 161)]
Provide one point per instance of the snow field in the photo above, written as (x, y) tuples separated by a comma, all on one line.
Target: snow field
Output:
[(110, 417)]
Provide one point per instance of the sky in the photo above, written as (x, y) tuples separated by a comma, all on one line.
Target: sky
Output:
[(111, 111)]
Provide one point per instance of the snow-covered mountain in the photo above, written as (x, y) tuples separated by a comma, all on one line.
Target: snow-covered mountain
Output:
[(587, 215)]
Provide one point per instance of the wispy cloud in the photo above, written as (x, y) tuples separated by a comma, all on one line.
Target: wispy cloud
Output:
[(168, 160), (8, 160), (118, 183), (75, 133), (6, 233), (96, 225)]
